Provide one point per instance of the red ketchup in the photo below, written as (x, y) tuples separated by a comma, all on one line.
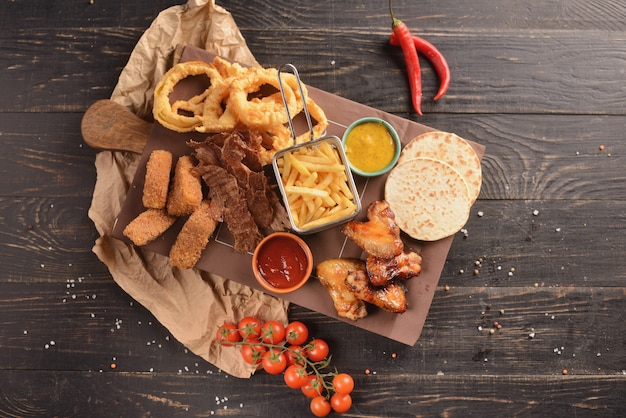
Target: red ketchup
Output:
[(282, 262)]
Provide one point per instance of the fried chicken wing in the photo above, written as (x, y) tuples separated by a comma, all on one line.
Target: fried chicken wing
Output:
[(379, 236), (391, 297), (378, 281), (381, 271), (332, 274)]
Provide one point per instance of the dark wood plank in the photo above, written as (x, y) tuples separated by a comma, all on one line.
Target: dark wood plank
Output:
[(80, 323), (529, 72), (552, 246), (47, 240), (44, 155), (433, 16), (69, 70), (555, 329), (569, 14), (545, 156), (427, 16), (59, 13), (96, 324), (141, 394)]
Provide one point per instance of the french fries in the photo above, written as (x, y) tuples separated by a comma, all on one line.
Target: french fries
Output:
[(315, 185)]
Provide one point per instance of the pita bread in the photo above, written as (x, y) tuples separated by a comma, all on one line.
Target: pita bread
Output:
[(450, 149), (429, 198)]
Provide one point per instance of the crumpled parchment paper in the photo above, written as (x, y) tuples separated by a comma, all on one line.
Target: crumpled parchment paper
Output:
[(191, 304)]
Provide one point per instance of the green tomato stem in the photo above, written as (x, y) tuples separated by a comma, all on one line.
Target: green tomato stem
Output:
[(314, 366)]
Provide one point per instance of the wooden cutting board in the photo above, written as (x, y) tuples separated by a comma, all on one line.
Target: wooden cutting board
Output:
[(107, 125)]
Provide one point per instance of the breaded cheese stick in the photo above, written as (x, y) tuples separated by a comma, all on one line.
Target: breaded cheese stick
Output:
[(148, 225), (194, 235), (186, 191), (157, 180)]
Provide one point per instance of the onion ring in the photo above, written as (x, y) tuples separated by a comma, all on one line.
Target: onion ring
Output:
[(215, 117), (163, 111), (292, 81), (259, 114), (193, 105), (227, 69)]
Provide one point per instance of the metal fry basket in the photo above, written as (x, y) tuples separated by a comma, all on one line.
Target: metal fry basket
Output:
[(330, 217)]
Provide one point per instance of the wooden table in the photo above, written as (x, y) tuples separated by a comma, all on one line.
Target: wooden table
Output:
[(542, 84)]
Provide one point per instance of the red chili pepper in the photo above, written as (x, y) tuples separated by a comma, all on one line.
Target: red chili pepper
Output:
[(405, 39), (434, 56)]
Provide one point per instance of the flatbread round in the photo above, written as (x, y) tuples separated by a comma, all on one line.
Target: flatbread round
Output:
[(429, 198), (451, 149)]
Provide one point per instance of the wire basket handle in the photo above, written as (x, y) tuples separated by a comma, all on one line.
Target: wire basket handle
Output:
[(293, 69)]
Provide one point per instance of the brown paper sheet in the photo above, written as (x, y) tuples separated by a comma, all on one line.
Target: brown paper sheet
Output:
[(220, 258), (191, 304)]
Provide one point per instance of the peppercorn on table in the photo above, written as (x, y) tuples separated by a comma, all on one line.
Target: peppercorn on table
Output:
[(528, 317)]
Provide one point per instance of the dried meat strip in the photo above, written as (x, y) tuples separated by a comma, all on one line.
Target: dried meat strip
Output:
[(224, 191), (230, 165)]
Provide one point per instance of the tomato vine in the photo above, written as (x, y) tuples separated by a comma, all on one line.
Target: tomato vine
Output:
[(272, 346)]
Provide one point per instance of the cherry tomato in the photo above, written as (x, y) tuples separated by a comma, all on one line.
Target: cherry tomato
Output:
[(343, 383), (320, 406), (273, 332), (341, 402), (295, 355), (252, 354), (296, 333), (313, 387), (296, 376), (228, 333), (317, 349), (274, 361), (250, 328)]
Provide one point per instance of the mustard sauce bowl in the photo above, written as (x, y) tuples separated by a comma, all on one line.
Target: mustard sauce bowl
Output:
[(372, 146)]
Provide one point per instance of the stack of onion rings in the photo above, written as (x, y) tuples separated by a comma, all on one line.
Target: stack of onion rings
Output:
[(236, 97)]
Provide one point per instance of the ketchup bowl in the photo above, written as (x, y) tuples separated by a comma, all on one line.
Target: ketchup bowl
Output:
[(282, 262)]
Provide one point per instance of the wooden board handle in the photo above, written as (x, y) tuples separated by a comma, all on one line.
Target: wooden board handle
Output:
[(107, 125)]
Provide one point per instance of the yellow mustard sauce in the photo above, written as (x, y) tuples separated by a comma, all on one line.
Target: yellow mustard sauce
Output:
[(370, 147)]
